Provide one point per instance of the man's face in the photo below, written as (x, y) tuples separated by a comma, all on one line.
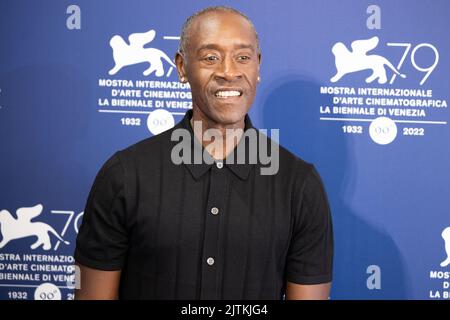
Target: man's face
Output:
[(221, 64)]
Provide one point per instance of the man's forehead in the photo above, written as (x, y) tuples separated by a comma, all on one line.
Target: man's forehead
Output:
[(228, 24), (221, 16)]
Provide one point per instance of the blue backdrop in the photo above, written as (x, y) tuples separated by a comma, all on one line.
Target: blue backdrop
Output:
[(382, 149)]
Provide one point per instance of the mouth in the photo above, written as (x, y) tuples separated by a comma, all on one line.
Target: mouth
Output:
[(228, 93)]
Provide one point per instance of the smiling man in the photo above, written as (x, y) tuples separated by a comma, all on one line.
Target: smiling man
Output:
[(220, 57), (158, 229)]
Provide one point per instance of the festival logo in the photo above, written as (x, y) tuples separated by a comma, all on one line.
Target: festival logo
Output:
[(441, 277), (45, 271), (143, 82), (356, 60), (128, 54), (446, 237), (377, 108), (22, 227)]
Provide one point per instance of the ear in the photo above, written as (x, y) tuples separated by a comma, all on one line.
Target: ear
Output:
[(259, 66), (180, 62)]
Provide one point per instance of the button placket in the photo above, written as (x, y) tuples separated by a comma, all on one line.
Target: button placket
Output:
[(210, 257)]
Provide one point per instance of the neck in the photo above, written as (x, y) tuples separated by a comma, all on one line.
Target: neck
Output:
[(218, 139)]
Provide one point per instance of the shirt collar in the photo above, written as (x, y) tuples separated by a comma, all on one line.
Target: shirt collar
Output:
[(197, 170)]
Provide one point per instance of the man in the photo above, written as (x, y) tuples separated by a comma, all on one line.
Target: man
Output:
[(156, 229)]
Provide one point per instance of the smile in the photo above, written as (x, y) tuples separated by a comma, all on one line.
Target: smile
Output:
[(228, 93)]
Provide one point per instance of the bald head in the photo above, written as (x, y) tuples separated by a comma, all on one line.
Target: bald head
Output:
[(187, 26)]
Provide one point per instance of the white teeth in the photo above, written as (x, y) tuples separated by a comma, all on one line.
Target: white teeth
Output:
[(225, 94)]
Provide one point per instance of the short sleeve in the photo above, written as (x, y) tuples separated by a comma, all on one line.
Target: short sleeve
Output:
[(102, 240), (310, 255)]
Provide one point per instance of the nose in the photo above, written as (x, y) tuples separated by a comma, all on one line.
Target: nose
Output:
[(228, 70)]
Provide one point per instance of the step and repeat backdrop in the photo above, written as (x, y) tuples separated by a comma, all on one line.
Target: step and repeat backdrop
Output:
[(359, 88)]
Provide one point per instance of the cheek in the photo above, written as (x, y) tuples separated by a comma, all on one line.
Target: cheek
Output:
[(253, 81), (252, 75), (199, 81)]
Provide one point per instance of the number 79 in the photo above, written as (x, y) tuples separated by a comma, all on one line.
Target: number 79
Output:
[(428, 70)]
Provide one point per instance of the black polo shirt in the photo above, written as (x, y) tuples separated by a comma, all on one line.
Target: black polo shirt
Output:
[(205, 231)]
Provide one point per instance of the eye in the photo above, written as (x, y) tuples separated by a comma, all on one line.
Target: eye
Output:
[(243, 58), (211, 58)]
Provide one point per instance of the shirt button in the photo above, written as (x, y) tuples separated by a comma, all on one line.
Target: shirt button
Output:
[(210, 261), (214, 210), (219, 165)]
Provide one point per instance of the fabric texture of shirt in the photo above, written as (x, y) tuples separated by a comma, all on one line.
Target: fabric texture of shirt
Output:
[(205, 231)]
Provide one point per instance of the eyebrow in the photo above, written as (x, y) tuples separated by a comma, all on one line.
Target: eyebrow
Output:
[(217, 47)]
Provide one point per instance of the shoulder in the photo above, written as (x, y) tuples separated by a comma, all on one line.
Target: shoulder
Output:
[(308, 185), (297, 174), (291, 165), (149, 150), (294, 163), (146, 156)]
